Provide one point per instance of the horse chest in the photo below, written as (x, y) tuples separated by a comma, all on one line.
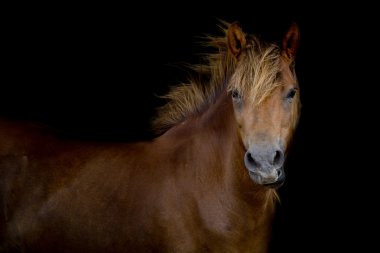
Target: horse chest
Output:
[(214, 228)]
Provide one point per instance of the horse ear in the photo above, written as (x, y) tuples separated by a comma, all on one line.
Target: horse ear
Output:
[(235, 39), (291, 41)]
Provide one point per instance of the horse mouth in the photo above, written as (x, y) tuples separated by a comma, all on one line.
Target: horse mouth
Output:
[(274, 184)]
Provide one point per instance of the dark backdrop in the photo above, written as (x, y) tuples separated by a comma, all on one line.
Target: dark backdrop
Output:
[(96, 72)]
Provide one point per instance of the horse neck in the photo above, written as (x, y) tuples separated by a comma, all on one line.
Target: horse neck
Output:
[(219, 125), (219, 152)]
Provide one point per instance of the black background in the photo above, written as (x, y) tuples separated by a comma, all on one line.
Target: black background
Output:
[(96, 72)]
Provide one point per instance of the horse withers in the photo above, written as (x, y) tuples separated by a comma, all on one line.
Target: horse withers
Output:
[(206, 184)]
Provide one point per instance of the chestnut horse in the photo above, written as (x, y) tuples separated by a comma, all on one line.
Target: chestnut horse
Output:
[(207, 183)]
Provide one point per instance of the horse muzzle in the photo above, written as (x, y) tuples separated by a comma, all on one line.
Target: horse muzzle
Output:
[(265, 166)]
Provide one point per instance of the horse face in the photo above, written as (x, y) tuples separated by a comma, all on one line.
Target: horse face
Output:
[(266, 112), (266, 129)]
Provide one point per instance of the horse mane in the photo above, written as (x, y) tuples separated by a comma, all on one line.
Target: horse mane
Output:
[(255, 75)]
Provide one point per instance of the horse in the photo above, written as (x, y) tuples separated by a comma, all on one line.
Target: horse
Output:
[(206, 183)]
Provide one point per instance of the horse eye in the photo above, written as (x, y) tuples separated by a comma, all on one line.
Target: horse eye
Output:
[(291, 94), (236, 95)]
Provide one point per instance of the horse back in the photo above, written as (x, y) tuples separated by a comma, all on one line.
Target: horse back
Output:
[(84, 194)]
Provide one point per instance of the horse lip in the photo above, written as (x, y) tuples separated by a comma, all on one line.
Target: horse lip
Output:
[(275, 185)]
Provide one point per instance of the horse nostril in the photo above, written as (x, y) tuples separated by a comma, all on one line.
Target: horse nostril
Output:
[(277, 157), (251, 160), (279, 173)]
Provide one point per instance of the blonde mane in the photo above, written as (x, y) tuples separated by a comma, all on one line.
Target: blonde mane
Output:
[(254, 75)]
